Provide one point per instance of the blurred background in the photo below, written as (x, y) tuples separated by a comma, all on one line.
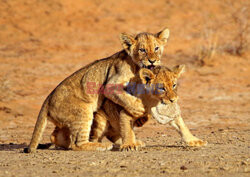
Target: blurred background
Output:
[(44, 41)]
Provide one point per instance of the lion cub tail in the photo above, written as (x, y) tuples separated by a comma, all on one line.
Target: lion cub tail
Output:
[(39, 129)]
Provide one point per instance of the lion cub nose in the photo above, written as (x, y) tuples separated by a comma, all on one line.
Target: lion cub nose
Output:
[(172, 100), (151, 61)]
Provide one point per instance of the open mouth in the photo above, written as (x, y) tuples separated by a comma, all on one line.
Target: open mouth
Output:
[(151, 67)]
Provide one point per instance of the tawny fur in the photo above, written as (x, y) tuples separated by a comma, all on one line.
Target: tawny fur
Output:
[(114, 123), (71, 106), (150, 96)]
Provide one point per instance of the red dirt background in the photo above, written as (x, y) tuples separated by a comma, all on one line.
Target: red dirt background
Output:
[(42, 42)]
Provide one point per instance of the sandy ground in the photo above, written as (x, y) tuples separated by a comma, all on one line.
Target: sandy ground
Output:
[(42, 42)]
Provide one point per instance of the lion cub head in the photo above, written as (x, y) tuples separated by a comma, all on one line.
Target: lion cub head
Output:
[(145, 49), (161, 82)]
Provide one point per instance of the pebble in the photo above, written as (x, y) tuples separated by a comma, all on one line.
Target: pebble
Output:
[(183, 167)]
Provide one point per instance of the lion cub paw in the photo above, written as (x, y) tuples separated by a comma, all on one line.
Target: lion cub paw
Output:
[(196, 143), (129, 147), (137, 110)]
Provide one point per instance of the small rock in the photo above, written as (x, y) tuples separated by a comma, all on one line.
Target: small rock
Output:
[(163, 171), (183, 167), (123, 166)]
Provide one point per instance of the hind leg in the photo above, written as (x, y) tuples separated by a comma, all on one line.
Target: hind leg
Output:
[(80, 131), (99, 127), (82, 144)]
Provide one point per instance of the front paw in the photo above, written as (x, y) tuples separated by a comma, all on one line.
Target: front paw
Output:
[(196, 143), (129, 147), (136, 109)]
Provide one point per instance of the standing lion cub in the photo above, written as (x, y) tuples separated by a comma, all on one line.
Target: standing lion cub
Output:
[(72, 103)]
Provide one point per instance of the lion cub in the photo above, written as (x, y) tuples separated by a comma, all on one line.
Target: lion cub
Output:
[(155, 86)]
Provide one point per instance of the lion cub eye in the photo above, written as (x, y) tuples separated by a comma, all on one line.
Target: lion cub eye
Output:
[(156, 49), (174, 85), (142, 50)]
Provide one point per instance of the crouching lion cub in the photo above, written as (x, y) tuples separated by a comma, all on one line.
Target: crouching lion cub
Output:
[(71, 105), (154, 88), (160, 103)]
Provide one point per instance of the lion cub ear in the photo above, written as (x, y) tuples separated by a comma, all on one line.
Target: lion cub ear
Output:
[(146, 76), (179, 69), (127, 40), (163, 35)]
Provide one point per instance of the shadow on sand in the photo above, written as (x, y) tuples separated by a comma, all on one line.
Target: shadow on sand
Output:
[(167, 146), (153, 147), (12, 146)]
